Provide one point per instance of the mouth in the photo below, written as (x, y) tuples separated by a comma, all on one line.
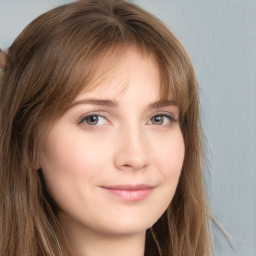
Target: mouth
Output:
[(131, 193)]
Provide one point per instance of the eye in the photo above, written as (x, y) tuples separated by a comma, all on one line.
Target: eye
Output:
[(93, 120), (161, 119)]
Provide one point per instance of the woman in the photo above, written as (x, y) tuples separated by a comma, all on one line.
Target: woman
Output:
[(100, 137)]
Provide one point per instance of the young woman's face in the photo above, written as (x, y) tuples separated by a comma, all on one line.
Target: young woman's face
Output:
[(113, 160)]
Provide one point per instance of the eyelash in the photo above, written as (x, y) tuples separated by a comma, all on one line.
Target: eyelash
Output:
[(82, 120), (166, 115)]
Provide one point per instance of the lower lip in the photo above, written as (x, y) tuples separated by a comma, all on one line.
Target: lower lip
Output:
[(130, 195)]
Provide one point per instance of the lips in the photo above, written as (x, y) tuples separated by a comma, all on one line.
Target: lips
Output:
[(129, 192)]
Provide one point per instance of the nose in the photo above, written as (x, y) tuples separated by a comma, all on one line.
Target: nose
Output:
[(132, 152)]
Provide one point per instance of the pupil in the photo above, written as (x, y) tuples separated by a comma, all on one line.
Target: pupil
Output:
[(158, 119), (92, 120)]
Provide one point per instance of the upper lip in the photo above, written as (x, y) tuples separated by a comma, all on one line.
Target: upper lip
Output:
[(129, 187)]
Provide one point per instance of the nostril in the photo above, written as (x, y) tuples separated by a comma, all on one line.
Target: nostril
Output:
[(131, 151), (129, 162)]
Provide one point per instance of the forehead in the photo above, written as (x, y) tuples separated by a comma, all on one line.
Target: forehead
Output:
[(133, 68)]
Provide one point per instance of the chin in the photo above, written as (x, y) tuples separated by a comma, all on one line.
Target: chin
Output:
[(130, 225)]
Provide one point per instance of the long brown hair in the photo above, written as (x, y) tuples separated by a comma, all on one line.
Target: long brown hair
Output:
[(55, 57)]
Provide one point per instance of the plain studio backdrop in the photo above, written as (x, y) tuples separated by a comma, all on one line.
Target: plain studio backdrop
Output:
[(220, 37)]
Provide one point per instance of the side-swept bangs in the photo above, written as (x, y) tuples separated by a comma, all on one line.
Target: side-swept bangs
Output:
[(64, 52)]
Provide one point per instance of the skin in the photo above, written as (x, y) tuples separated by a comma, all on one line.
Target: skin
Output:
[(130, 142)]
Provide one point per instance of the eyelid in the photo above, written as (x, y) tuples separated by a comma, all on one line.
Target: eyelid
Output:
[(93, 113), (104, 115), (170, 116)]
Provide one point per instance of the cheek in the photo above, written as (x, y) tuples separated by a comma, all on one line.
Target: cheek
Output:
[(61, 158), (68, 167), (169, 156), (69, 153), (72, 160)]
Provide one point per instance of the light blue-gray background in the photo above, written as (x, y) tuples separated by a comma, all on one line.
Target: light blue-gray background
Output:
[(220, 36)]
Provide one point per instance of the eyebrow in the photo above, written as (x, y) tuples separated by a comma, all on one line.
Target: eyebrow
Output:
[(111, 103), (108, 103), (162, 103)]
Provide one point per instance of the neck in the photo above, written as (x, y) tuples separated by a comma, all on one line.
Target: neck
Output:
[(114, 246)]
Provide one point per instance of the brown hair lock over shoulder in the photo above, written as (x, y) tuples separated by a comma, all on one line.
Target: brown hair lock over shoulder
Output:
[(55, 57)]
